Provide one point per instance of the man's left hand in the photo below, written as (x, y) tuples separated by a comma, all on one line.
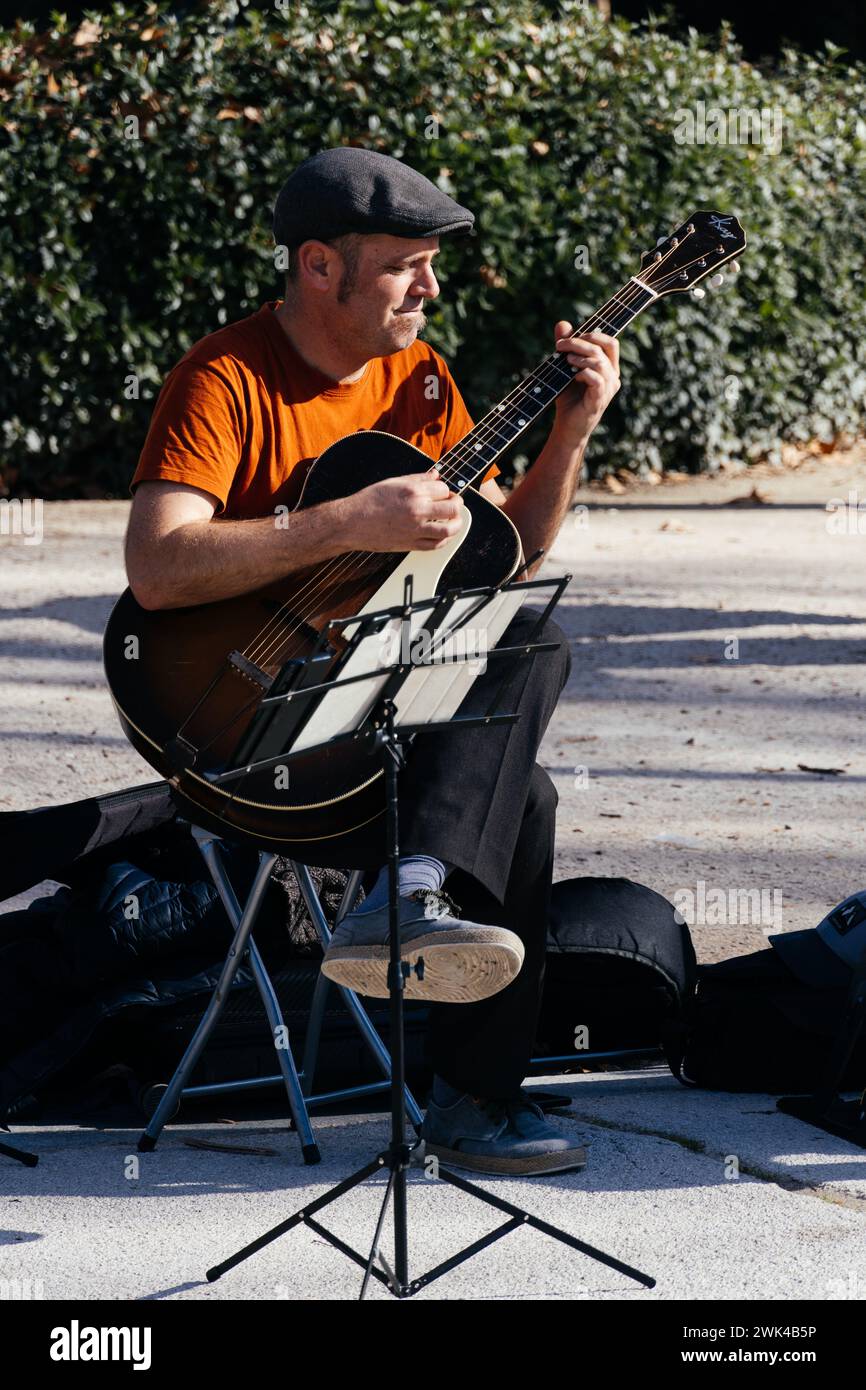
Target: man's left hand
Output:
[(581, 405)]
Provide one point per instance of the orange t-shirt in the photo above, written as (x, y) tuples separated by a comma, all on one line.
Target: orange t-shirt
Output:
[(243, 416)]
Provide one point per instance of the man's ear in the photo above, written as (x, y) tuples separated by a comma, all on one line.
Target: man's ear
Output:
[(317, 264)]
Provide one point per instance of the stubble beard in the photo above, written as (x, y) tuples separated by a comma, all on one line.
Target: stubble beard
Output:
[(400, 333), (413, 325)]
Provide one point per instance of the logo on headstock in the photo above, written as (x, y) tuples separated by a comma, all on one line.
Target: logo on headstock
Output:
[(720, 224)]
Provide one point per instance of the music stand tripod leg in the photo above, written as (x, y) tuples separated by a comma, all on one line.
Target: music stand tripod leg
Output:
[(398, 1153)]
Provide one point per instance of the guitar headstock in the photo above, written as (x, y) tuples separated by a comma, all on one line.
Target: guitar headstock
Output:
[(696, 249)]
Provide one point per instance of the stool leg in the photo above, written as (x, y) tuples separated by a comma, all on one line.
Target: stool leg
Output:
[(242, 924), (320, 993), (267, 994), (242, 921), (279, 1032)]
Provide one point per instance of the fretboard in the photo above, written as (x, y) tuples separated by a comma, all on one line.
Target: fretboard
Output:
[(471, 458)]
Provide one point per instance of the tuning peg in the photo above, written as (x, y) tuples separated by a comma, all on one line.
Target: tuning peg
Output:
[(716, 281), (661, 240), (698, 292), (734, 267)]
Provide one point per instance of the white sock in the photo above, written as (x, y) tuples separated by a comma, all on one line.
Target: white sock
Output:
[(416, 871)]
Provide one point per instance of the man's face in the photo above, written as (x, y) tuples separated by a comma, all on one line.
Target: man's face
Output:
[(383, 308)]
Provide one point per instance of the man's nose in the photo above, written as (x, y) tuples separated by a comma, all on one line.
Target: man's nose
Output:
[(427, 285)]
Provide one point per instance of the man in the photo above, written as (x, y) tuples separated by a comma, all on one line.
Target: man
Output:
[(239, 420)]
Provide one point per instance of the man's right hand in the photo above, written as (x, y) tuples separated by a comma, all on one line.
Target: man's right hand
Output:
[(415, 512)]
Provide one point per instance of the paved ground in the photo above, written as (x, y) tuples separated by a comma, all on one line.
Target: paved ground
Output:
[(719, 650), (714, 1196)]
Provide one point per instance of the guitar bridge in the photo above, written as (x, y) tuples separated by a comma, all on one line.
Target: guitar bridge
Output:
[(250, 671)]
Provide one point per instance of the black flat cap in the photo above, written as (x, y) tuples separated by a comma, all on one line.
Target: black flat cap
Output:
[(347, 189)]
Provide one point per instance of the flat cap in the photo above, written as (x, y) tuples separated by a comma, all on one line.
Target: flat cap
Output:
[(347, 189)]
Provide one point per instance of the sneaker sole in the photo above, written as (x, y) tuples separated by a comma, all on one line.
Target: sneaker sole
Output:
[(527, 1165), (459, 966)]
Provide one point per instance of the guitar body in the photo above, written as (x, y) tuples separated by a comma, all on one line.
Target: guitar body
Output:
[(187, 682)]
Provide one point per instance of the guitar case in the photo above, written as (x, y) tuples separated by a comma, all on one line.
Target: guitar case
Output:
[(620, 971)]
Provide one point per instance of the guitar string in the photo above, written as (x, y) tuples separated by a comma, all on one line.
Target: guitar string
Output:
[(259, 650), (338, 567)]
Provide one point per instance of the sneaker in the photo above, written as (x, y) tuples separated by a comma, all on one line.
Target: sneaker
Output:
[(463, 961), (498, 1136)]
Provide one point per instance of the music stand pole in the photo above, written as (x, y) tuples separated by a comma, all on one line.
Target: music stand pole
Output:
[(388, 741)]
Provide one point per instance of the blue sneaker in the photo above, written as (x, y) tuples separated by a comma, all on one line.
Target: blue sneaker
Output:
[(496, 1136), (463, 961)]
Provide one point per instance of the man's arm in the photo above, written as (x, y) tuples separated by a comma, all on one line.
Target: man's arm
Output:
[(539, 505), (493, 492), (177, 553)]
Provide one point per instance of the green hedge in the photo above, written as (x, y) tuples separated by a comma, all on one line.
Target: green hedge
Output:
[(556, 128)]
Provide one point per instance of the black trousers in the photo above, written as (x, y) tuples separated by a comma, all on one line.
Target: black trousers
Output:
[(478, 798)]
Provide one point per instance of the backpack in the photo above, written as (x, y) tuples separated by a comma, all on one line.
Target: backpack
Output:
[(754, 1026)]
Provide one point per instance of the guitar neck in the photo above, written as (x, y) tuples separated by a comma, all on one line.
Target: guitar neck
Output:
[(471, 458)]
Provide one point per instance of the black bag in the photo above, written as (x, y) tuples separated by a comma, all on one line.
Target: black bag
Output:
[(620, 964), (754, 1026)]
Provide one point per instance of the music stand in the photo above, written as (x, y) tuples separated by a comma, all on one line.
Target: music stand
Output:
[(824, 1108), (298, 694)]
